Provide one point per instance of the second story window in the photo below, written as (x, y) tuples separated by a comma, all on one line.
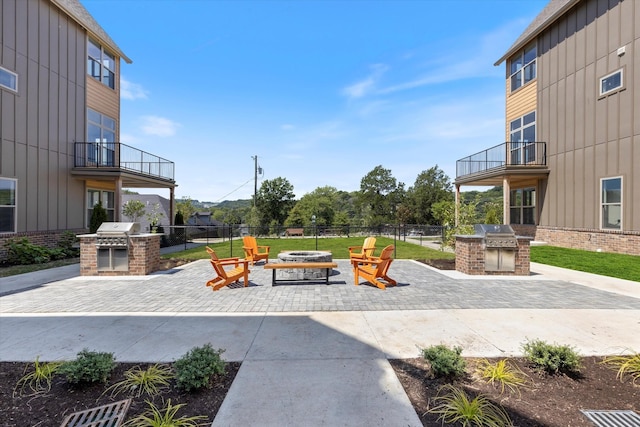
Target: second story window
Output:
[(101, 136), (8, 79), (101, 65), (523, 67)]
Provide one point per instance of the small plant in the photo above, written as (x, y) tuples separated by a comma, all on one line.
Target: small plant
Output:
[(195, 369), (150, 381), (164, 417), (445, 362), (155, 216), (88, 367), (38, 380), (503, 373), (454, 406), (133, 209), (626, 365), (552, 358)]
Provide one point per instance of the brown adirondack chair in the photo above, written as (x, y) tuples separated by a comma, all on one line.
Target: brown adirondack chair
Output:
[(363, 252), (253, 252), (225, 276), (375, 268)]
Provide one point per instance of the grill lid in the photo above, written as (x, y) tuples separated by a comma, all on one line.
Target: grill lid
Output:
[(486, 230), (118, 228)]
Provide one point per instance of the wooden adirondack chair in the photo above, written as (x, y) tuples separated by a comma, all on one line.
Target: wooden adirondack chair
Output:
[(375, 268), (226, 276), (365, 251), (253, 252)]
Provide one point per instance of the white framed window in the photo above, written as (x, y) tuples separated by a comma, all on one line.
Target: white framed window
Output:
[(611, 82), (101, 65), (611, 203), (108, 203), (522, 139), (101, 137), (8, 79), (523, 206), (8, 196), (522, 68)]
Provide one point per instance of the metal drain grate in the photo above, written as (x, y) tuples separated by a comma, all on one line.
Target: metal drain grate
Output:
[(613, 418), (111, 415)]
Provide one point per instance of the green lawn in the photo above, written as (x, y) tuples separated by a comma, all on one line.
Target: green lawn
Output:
[(337, 246), (603, 263)]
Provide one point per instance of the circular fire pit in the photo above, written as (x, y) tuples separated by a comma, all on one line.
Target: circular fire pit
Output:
[(303, 273)]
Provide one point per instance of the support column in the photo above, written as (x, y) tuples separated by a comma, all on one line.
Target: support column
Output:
[(457, 206), (506, 200), (172, 196)]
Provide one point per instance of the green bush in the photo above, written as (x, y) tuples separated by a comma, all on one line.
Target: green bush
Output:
[(552, 358), (444, 361), (88, 367), (23, 252), (195, 369), (66, 244), (98, 216)]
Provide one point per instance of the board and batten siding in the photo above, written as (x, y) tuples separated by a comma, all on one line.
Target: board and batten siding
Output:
[(39, 124), (590, 137)]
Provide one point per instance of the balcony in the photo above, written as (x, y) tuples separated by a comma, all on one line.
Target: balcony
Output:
[(513, 159), (136, 167)]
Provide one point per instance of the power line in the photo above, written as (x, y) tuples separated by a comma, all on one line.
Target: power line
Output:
[(233, 191)]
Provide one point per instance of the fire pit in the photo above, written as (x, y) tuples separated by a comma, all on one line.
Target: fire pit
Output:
[(303, 256)]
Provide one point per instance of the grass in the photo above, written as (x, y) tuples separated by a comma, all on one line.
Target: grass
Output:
[(138, 381), (38, 380), (454, 406), (626, 365), (602, 263), (502, 373), (337, 246), (12, 270)]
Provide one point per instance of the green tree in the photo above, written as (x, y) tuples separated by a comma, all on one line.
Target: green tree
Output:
[(186, 206), (274, 200), (379, 193), (444, 213), (133, 209), (98, 216), (431, 186), (321, 202)]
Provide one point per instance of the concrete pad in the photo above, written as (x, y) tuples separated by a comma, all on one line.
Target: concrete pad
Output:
[(314, 336), (324, 392)]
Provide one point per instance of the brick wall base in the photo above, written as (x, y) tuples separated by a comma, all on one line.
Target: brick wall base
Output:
[(591, 240), (48, 239), (470, 257), (144, 256)]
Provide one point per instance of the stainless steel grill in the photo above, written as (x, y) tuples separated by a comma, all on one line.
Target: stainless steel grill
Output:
[(500, 244), (112, 242)]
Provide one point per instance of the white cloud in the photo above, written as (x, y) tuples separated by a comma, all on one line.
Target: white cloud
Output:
[(159, 126), (131, 91), (367, 85), (287, 127)]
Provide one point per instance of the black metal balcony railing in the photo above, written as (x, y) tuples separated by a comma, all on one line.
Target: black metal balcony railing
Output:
[(122, 156), (521, 154)]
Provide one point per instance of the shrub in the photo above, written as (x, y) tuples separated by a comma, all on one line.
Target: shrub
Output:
[(149, 381), (98, 216), (195, 369), (88, 367), (552, 358), (39, 380), (445, 362), (66, 244), (503, 373), (625, 365), (164, 417), (454, 406), (23, 252)]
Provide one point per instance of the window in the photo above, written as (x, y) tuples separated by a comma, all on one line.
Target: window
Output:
[(101, 136), (522, 139), (611, 200), (523, 206), (523, 67), (108, 202), (8, 79), (8, 190), (101, 65), (611, 82)]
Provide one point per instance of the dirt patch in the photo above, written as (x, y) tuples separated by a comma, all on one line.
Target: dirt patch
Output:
[(169, 263), (549, 401), (50, 409), (440, 264)]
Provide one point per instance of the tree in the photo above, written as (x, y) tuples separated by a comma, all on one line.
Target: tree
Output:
[(321, 202), (98, 216), (431, 186), (274, 200), (379, 194), (133, 209), (186, 207)]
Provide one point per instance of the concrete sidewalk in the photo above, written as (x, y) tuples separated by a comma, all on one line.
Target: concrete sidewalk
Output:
[(317, 354)]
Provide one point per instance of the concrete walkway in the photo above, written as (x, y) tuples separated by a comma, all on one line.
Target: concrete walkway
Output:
[(315, 354)]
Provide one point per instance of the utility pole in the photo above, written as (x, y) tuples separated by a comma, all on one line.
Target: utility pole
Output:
[(255, 179)]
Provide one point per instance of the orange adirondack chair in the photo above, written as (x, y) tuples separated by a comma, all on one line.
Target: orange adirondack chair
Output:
[(375, 268), (366, 250), (253, 252), (226, 276)]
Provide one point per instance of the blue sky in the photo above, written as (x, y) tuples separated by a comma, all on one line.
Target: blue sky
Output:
[(321, 91)]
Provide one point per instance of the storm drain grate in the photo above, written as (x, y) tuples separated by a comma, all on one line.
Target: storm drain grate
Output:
[(613, 418), (111, 415)]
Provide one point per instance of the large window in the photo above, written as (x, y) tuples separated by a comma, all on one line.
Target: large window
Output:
[(8, 190), (108, 202), (101, 65), (8, 79), (611, 201), (101, 136), (523, 206), (523, 67), (522, 145)]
